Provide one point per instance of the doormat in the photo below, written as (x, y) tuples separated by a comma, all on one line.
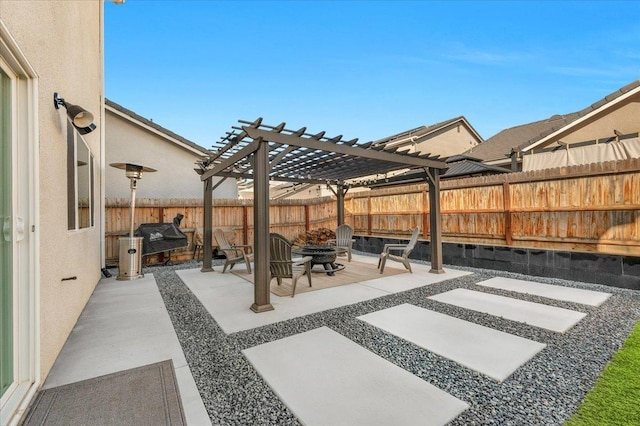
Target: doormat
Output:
[(146, 395), (353, 272)]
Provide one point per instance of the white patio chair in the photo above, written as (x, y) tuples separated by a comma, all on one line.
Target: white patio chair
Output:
[(404, 248), (281, 265), (234, 253), (344, 234)]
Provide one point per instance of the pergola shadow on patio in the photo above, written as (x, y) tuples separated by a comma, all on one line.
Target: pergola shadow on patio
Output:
[(262, 152)]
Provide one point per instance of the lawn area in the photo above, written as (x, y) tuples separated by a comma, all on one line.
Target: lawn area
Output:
[(615, 398)]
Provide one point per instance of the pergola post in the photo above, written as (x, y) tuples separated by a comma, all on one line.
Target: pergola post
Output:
[(207, 225), (261, 228), (434, 221), (340, 196), (340, 191)]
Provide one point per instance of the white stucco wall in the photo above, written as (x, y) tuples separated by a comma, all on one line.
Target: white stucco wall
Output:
[(450, 141), (127, 142), (625, 119), (62, 42), (277, 190)]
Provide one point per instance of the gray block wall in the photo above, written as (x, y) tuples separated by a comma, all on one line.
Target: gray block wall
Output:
[(611, 270)]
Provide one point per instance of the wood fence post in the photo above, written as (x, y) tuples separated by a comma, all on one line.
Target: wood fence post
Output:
[(369, 215), (161, 256), (425, 214), (506, 200), (307, 225), (245, 225)]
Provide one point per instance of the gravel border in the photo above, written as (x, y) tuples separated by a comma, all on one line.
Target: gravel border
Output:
[(546, 390)]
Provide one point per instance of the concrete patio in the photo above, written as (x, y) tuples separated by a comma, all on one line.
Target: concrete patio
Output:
[(381, 351)]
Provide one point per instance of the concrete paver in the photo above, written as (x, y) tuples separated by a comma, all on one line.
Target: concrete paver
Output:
[(544, 316), (483, 349), (326, 379), (567, 294)]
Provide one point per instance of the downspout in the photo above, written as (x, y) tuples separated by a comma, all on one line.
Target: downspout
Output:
[(103, 141), (103, 151)]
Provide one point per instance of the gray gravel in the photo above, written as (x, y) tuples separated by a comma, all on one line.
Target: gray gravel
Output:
[(545, 391)]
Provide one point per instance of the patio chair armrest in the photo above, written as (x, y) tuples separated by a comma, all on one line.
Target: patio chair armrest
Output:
[(397, 247), (301, 260), (241, 247)]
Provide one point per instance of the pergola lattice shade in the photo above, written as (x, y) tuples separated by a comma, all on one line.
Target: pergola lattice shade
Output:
[(298, 156)]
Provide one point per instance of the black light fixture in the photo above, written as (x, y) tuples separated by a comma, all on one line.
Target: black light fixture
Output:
[(81, 119)]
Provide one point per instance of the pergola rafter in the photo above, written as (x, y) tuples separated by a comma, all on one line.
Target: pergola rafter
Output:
[(262, 152)]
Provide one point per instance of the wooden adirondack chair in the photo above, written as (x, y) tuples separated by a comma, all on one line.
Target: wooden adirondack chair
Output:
[(404, 248), (234, 253), (344, 235), (281, 265)]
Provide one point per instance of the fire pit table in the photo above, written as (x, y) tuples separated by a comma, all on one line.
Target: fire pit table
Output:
[(322, 255)]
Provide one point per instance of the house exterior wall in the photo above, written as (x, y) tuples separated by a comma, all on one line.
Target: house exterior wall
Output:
[(625, 119), (314, 191), (447, 142), (276, 191), (63, 43), (175, 177)]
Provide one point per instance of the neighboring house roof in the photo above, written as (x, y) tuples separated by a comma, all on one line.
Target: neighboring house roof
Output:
[(459, 166), (536, 134), (423, 132), (546, 137), (469, 168), (499, 146), (155, 128), (460, 157)]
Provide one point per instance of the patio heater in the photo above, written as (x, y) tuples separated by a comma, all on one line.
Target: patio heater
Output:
[(130, 248)]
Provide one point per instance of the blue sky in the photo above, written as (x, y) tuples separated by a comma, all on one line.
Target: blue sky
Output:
[(365, 69)]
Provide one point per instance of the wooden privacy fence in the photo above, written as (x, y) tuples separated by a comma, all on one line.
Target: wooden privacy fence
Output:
[(287, 217), (592, 208)]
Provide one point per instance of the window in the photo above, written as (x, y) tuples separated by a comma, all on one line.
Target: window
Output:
[(80, 181)]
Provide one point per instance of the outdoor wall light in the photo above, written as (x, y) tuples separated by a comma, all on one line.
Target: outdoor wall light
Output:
[(81, 119)]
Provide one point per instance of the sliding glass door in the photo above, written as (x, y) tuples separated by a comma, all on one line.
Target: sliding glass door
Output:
[(6, 245), (18, 192)]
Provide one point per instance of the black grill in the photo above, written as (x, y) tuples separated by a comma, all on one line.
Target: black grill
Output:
[(161, 237)]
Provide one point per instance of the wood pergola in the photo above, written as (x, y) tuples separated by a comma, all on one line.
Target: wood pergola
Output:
[(266, 153)]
